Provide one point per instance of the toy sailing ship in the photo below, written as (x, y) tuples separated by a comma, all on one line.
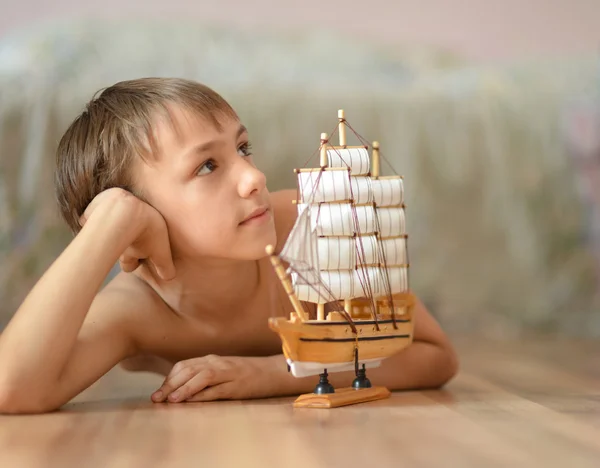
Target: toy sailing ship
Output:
[(346, 256)]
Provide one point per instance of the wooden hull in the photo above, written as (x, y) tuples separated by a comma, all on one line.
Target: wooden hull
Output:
[(314, 345)]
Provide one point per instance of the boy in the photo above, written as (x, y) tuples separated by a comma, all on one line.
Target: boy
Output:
[(158, 174)]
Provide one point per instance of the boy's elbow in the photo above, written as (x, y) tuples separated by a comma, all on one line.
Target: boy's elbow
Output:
[(12, 401), (446, 366)]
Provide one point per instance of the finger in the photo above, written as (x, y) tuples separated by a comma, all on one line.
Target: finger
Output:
[(165, 273), (187, 365), (129, 264), (224, 391), (199, 382), (176, 378), (162, 258), (131, 259)]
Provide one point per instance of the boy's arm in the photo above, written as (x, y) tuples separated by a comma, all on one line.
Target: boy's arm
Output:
[(429, 362), (53, 348)]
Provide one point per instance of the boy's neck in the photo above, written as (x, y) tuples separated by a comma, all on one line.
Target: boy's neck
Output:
[(208, 287)]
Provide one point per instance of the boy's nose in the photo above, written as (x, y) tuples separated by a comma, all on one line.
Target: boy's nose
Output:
[(251, 180)]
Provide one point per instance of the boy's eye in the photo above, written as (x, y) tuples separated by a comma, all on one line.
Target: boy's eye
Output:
[(207, 167), (245, 149)]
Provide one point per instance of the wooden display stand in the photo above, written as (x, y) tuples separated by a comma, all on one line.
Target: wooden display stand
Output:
[(341, 397)]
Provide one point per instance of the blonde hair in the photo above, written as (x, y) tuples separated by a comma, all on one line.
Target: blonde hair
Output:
[(97, 150)]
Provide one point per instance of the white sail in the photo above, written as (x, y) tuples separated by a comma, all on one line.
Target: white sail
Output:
[(336, 253), (331, 219), (332, 186), (370, 250), (351, 284), (364, 220), (393, 250), (300, 248), (357, 159), (367, 250), (323, 186), (333, 286), (362, 192), (388, 192), (348, 241), (379, 279), (392, 221), (341, 219), (396, 278), (368, 282), (344, 253)]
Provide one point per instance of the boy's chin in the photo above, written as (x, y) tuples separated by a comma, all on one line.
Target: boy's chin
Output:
[(254, 251), (243, 253)]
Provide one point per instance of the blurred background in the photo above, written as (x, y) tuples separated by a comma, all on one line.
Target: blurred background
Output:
[(490, 110)]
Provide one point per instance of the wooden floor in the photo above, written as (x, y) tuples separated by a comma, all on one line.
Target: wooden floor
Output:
[(513, 405)]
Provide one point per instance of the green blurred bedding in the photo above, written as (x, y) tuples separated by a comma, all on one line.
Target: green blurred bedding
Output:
[(498, 227)]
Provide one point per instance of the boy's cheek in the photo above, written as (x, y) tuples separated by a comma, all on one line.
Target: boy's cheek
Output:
[(204, 241)]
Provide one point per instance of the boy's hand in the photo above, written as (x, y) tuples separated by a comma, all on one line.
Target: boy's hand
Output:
[(151, 242), (219, 378)]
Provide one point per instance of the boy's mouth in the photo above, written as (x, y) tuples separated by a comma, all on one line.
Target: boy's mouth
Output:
[(258, 215)]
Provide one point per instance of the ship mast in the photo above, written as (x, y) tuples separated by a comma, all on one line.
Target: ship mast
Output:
[(324, 162), (287, 284), (342, 133), (375, 176), (375, 160)]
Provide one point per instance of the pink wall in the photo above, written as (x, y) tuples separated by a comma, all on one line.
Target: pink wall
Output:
[(481, 29)]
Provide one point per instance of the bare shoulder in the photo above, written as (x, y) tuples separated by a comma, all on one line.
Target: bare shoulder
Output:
[(131, 288), (285, 213), (124, 305)]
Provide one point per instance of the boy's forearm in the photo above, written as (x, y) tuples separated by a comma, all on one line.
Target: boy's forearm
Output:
[(421, 365), (36, 344)]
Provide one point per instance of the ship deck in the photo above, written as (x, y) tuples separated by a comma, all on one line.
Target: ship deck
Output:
[(531, 403)]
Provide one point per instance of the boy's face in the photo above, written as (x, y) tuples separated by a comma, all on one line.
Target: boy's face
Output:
[(205, 185)]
